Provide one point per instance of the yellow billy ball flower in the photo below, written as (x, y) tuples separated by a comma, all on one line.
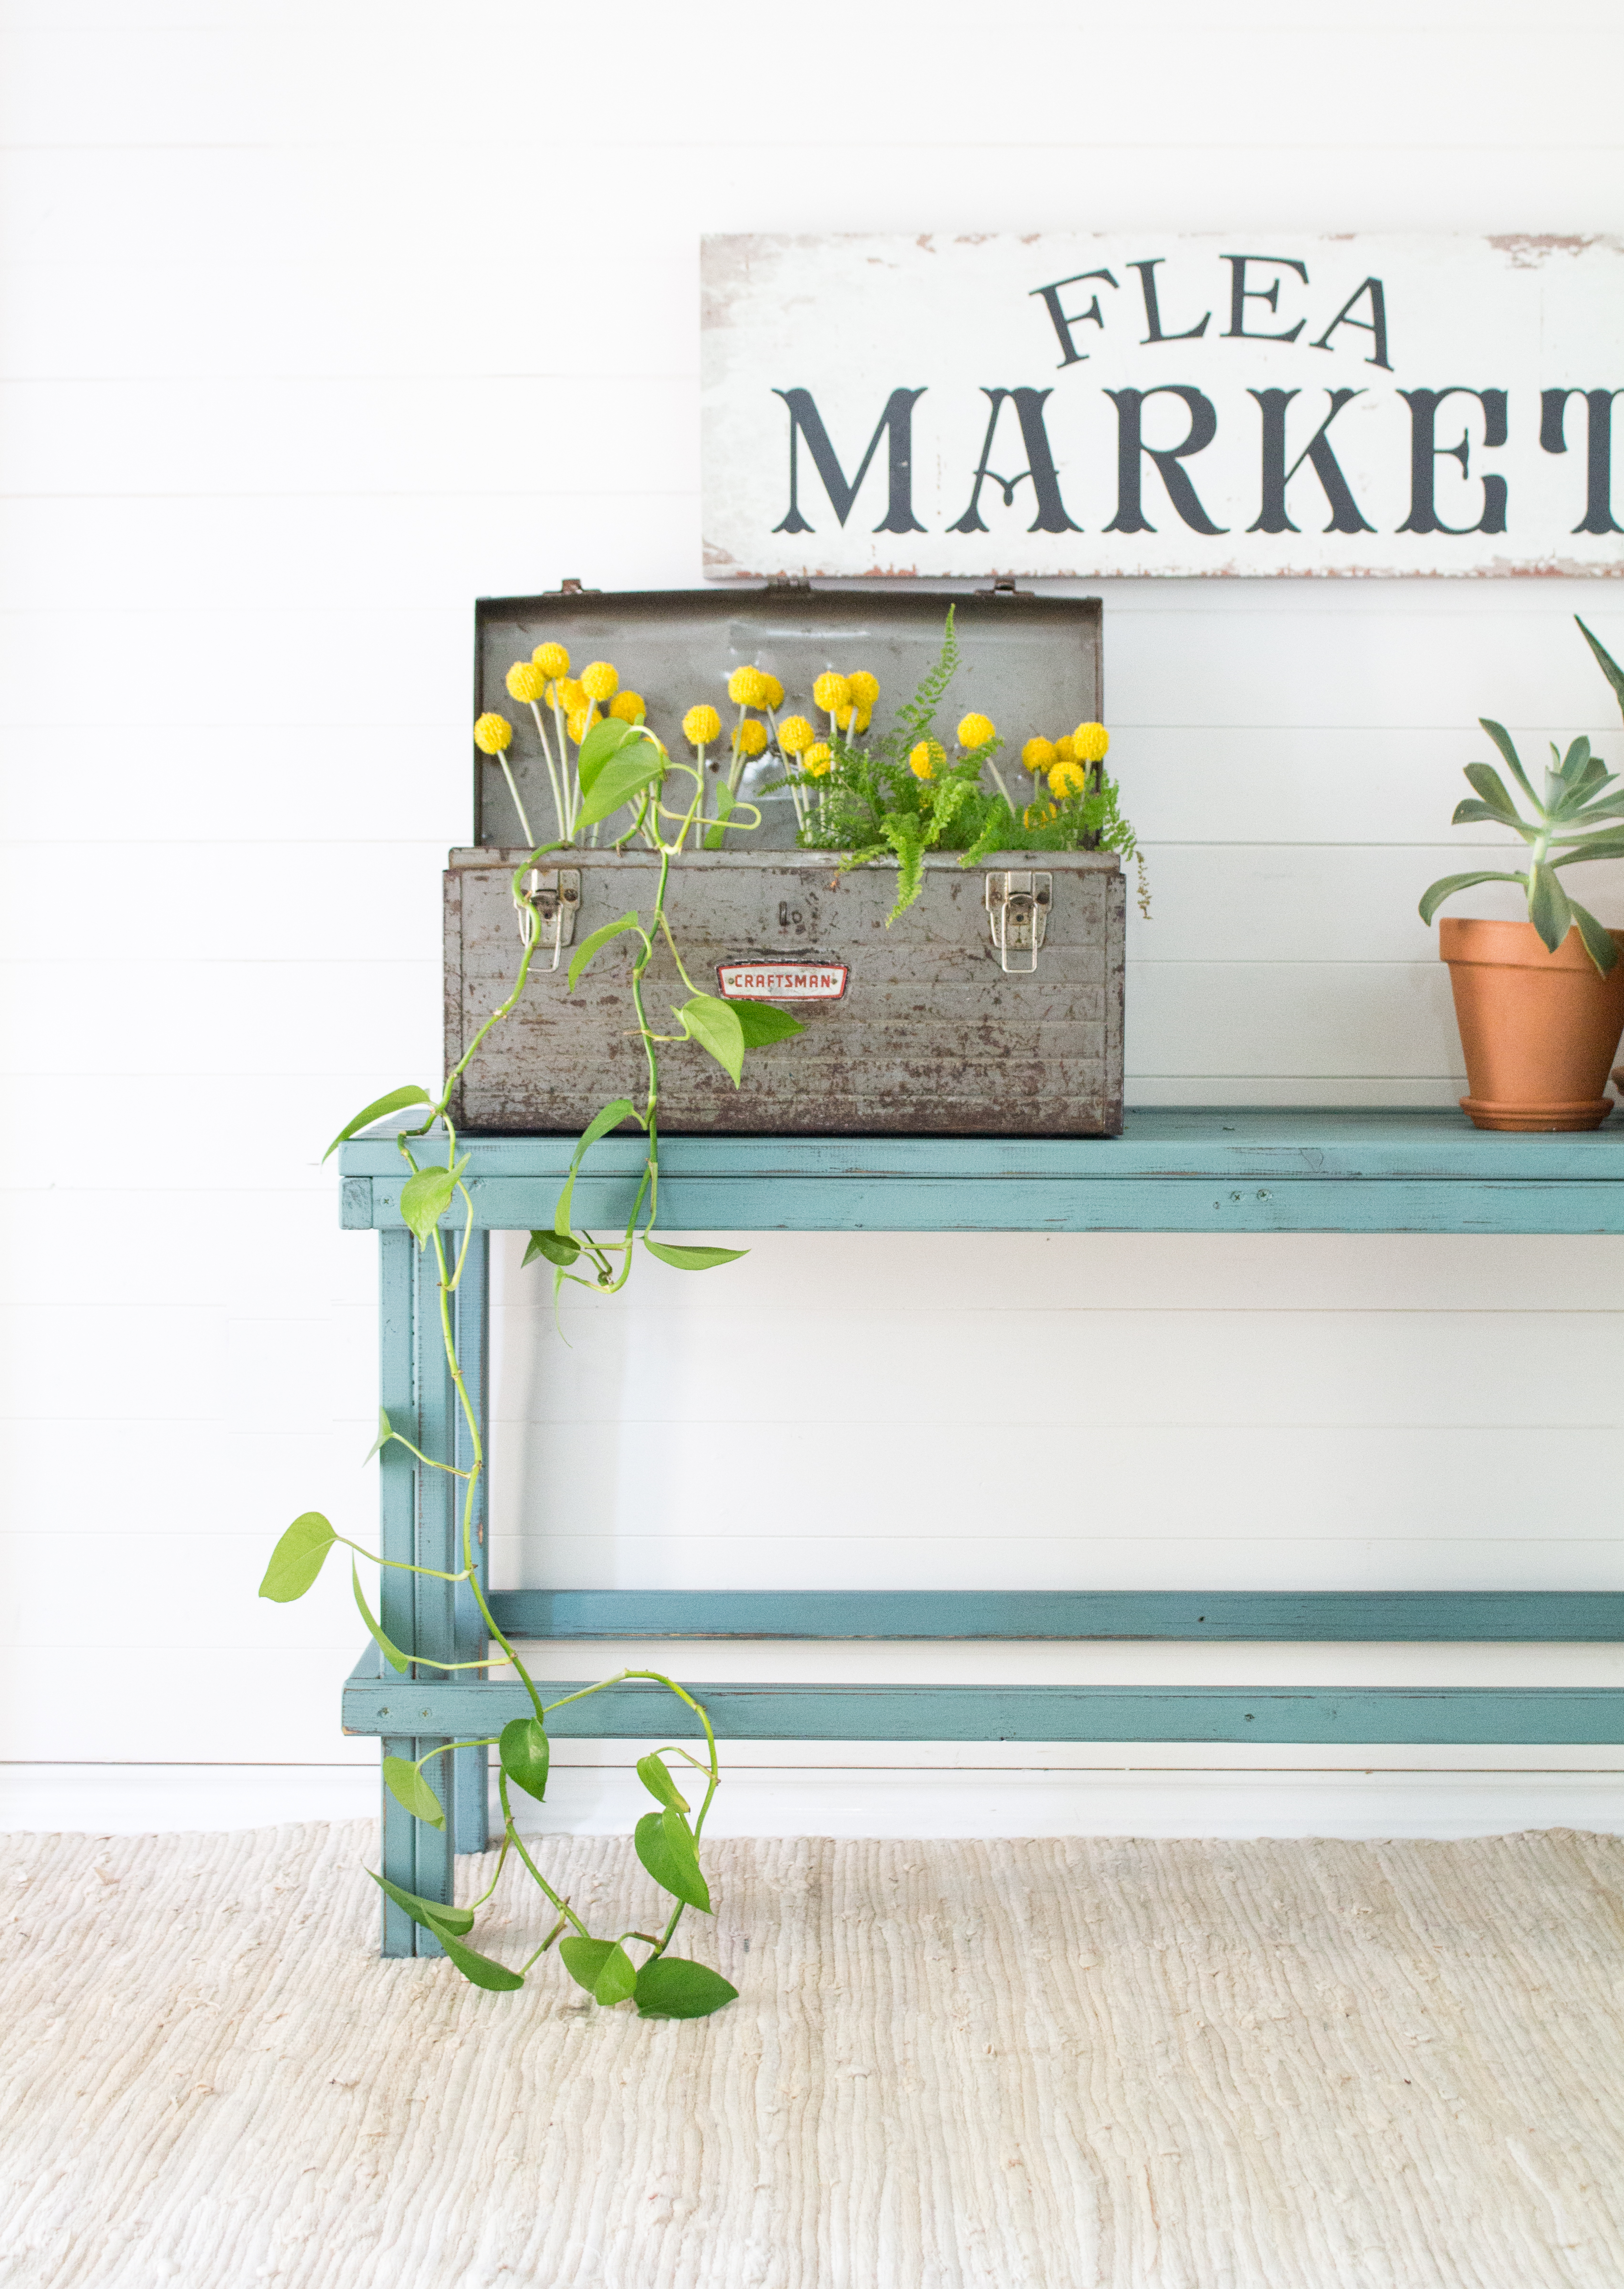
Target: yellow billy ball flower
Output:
[(751, 739), (795, 735), (492, 733), (601, 681), (816, 759), (865, 686), (569, 694), (747, 688), (975, 731), (525, 681), (1063, 751), (830, 692), (580, 724), (626, 707), (864, 717), (1037, 814), (1038, 755), (1069, 778), (701, 725), (926, 759), (773, 695), (1090, 742), (552, 659), (845, 716)]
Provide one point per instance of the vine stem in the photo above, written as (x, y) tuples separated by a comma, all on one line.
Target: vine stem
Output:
[(449, 1278)]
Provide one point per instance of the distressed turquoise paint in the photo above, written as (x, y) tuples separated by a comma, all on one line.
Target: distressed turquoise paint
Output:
[(1491, 1616), (397, 1502), (1456, 1716), (1217, 1170), (472, 1331), (1212, 1171)]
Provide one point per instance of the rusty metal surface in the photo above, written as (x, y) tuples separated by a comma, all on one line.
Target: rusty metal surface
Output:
[(930, 1038)]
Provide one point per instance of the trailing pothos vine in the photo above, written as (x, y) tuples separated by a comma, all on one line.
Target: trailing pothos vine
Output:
[(621, 765)]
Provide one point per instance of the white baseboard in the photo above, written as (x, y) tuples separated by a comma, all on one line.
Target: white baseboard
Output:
[(599, 1797)]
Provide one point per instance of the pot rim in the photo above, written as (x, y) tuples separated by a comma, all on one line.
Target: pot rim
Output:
[(1469, 941)]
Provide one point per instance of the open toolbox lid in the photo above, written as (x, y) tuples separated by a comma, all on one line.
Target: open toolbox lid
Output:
[(1031, 663)]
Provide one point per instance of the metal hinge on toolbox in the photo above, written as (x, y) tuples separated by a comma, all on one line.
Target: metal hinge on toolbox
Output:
[(1019, 906), (554, 898)]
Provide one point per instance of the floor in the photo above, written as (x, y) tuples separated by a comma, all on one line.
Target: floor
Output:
[(1050, 2064)]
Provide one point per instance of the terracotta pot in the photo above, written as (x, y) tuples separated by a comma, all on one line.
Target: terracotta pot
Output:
[(1540, 1030)]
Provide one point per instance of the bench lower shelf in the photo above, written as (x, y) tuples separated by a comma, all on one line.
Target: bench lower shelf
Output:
[(386, 1705)]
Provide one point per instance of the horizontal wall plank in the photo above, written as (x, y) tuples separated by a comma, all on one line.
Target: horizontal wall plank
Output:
[(253, 84), (335, 902), (1250, 1665), (986, 1280), (1070, 1372), (1356, 904), (1319, 1554), (320, 434), (406, 554), (255, 1016)]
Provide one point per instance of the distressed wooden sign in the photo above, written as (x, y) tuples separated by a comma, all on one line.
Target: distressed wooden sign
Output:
[(1091, 405)]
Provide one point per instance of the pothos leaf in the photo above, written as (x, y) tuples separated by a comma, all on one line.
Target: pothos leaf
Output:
[(670, 1987), (599, 1126), (715, 1025), (692, 1259), (627, 774), (716, 836), (436, 1914), (406, 1785), (394, 1102), (654, 1775), (392, 1653), (558, 1247), (386, 1431), (426, 1196), (601, 1966), (611, 1116), (525, 1754), (479, 1969), (604, 740), (596, 944), (760, 1023), (665, 1844), (296, 1559)]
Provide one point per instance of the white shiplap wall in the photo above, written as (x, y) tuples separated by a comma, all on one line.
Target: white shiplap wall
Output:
[(317, 321)]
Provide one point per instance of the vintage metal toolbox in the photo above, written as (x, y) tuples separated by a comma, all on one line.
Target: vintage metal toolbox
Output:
[(993, 1007)]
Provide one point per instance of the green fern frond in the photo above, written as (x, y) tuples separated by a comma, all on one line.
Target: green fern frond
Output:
[(905, 839), (916, 718)]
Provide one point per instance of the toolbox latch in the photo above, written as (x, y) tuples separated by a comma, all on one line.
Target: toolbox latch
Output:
[(549, 906), (1019, 906)]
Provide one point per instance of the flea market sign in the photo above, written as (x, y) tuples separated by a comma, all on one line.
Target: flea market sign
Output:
[(1068, 405)]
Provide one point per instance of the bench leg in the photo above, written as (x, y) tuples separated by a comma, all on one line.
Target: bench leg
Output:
[(421, 1522)]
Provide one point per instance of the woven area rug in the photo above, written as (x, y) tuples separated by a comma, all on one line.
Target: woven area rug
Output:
[(1059, 2064)]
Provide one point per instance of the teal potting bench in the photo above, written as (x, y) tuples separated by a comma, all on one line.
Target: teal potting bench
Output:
[(1169, 1171)]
